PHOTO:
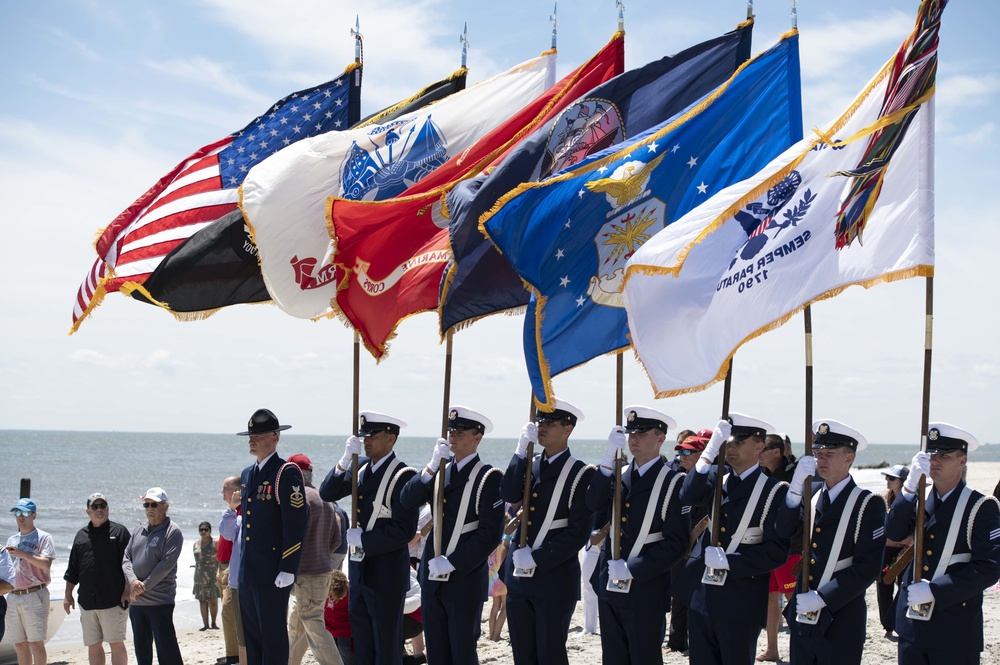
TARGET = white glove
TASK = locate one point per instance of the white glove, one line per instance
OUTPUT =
(354, 536)
(352, 447)
(919, 465)
(528, 433)
(805, 468)
(618, 570)
(439, 566)
(617, 440)
(722, 432)
(283, 580)
(715, 557)
(807, 602)
(523, 559)
(919, 593)
(441, 451)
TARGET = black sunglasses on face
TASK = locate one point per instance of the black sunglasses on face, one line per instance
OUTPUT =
(203, 530)
(99, 506)
(150, 504)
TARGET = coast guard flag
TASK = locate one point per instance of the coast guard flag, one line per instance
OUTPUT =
(284, 198)
(479, 281)
(393, 252)
(218, 267)
(569, 236)
(854, 206)
(203, 188)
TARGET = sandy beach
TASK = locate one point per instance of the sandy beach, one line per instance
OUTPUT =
(205, 647)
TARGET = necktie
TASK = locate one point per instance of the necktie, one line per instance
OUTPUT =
(448, 472)
(733, 483)
(824, 502)
(633, 476)
(544, 464)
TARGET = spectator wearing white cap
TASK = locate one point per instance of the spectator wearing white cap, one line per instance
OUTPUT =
(454, 583)
(961, 557)
(150, 566)
(633, 587)
(543, 577)
(31, 550)
(379, 568)
(846, 542)
(95, 565)
(724, 620)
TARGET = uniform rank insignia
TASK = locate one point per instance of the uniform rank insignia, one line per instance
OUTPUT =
(296, 498)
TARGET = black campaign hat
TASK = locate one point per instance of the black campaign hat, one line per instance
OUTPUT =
(263, 422)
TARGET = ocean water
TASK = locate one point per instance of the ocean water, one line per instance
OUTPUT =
(66, 467)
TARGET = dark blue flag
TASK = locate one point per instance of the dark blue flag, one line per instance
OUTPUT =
(479, 281)
(570, 236)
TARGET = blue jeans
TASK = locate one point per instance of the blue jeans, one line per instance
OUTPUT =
(154, 623)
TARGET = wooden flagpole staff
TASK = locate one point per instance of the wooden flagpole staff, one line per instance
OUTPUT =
(440, 481)
(923, 612)
(811, 618)
(620, 586)
(526, 497)
(712, 576)
(356, 552)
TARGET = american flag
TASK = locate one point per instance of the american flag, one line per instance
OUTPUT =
(205, 186)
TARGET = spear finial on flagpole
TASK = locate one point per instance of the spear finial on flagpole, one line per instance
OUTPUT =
(555, 23)
(795, 14)
(621, 15)
(463, 39)
(356, 33)
(749, 9)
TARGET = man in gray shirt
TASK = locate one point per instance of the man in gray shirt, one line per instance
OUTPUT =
(150, 567)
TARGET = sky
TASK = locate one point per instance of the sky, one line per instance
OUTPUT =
(101, 98)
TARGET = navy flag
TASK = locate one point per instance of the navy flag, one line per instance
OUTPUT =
(218, 266)
(570, 236)
(479, 281)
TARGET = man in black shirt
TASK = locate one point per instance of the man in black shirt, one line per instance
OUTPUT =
(95, 563)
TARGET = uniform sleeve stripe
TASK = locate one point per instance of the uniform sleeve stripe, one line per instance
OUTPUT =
(878, 533)
(994, 534)
(685, 510)
(291, 550)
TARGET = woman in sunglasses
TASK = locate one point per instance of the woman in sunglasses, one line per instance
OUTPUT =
(206, 566)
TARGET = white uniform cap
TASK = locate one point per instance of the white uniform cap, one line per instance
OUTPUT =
(835, 434)
(462, 417)
(744, 426)
(372, 422)
(563, 410)
(639, 418)
(944, 438)
(156, 494)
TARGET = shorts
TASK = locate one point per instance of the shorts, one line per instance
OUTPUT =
(237, 617)
(782, 578)
(28, 616)
(106, 625)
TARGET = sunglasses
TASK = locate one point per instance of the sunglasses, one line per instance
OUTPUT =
(22, 513)
(98, 506)
(685, 452)
(203, 530)
(150, 504)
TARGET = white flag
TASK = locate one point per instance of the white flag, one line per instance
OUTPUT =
(748, 259)
(284, 197)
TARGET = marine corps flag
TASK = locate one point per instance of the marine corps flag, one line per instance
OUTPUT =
(852, 206)
(284, 199)
(569, 236)
(391, 254)
(203, 188)
(479, 281)
(218, 266)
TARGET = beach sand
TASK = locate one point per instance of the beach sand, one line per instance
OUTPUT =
(205, 647)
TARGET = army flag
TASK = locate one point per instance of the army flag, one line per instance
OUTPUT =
(284, 199)
(852, 206)
(392, 253)
(204, 187)
(218, 267)
(479, 281)
(569, 236)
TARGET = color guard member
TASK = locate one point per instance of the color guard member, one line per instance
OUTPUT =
(633, 589)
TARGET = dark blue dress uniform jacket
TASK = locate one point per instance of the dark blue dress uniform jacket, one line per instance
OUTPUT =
(558, 568)
(743, 598)
(470, 579)
(956, 623)
(274, 522)
(840, 633)
(650, 568)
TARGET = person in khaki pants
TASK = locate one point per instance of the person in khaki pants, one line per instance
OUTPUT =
(225, 550)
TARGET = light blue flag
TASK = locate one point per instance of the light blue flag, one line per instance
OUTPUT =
(569, 237)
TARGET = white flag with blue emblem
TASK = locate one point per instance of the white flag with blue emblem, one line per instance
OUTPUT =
(852, 206)
(284, 197)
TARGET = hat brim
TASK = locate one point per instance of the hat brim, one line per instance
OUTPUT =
(279, 428)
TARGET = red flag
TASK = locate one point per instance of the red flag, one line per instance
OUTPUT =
(391, 254)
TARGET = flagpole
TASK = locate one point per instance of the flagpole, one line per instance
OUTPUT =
(811, 617)
(356, 553)
(555, 23)
(463, 39)
(358, 45)
(526, 496)
(795, 14)
(713, 576)
(439, 485)
(749, 9)
(616, 506)
(620, 4)
(923, 612)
